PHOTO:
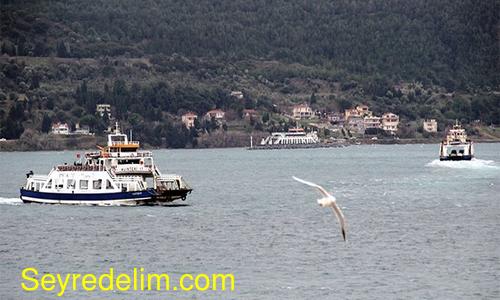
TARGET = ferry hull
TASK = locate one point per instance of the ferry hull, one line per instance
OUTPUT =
(456, 158)
(101, 199)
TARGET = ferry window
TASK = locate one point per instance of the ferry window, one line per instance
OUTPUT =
(49, 184)
(118, 138)
(124, 187)
(97, 184)
(84, 184)
(109, 186)
(71, 184)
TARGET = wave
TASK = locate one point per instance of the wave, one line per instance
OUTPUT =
(475, 163)
(11, 201)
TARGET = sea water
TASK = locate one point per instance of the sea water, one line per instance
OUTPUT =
(417, 228)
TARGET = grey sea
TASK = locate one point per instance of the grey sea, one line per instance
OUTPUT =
(417, 228)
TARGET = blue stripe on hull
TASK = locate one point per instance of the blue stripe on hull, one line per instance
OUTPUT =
(86, 197)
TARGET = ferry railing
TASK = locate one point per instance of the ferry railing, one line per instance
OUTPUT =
(77, 168)
(120, 143)
(130, 154)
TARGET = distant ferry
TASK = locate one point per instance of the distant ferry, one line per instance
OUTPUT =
(116, 174)
(294, 138)
(456, 146)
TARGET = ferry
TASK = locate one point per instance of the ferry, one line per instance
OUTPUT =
(293, 139)
(117, 174)
(456, 146)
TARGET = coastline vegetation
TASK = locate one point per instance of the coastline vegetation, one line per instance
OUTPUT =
(155, 60)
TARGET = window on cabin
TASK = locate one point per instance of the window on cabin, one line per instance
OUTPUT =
(71, 184)
(109, 185)
(97, 184)
(49, 184)
(118, 138)
(84, 184)
(60, 184)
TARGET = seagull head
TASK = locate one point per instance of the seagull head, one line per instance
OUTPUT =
(326, 202)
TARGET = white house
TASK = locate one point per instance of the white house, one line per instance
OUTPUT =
(302, 111)
(188, 119)
(372, 122)
(60, 128)
(390, 122)
(430, 125)
(217, 114)
(102, 109)
(85, 130)
(237, 94)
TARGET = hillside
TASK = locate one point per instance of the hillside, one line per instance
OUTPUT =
(154, 60)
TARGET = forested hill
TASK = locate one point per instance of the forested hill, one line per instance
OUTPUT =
(451, 43)
(153, 61)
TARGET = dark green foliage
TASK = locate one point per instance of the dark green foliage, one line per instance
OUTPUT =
(12, 126)
(450, 43)
(358, 51)
(46, 123)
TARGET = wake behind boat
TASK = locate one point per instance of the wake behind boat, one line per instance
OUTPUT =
(118, 174)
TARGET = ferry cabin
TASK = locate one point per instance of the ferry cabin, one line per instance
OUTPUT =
(123, 157)
(83, 184)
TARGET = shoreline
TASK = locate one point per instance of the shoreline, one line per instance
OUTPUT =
(90, 145)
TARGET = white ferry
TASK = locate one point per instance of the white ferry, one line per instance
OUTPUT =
(116, 174)
(456, 146)
(294, 138)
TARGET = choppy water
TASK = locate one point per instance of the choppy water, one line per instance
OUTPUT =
(417, 228)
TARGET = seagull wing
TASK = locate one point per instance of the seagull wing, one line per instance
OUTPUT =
(320, 188)
(340, 216)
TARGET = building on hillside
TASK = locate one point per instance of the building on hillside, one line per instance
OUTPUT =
(237, 94)
(60, 129)
(22, 98)
(358, 111)
(217, 114)
(372, 122)
(390, 122)
(351, 112)
(356, 124)
(364, 110)
(302, 111)
(188, 119)
(430, 125)
(335, 117)
(102, 109)
(250, 113)
(82, 130)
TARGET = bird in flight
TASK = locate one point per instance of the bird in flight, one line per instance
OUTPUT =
(327, 201)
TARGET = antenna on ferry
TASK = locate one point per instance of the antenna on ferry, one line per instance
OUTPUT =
(130, 134)
(117, 128)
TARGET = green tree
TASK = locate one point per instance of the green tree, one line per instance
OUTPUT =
(46, 123)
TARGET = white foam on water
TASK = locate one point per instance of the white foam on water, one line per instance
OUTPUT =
(11, 201)
(475, 163)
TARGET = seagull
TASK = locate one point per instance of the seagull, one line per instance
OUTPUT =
(327, 201)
